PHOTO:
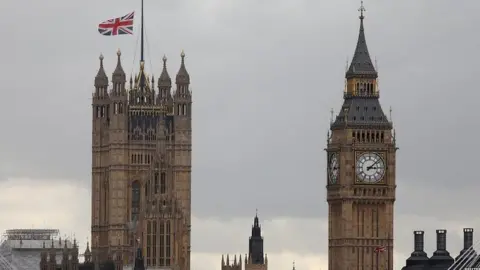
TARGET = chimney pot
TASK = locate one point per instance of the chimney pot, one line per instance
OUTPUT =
(467, 238)
(442, 239)
(418, 240)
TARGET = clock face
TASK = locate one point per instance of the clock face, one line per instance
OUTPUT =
(370, 168)
(333, 169)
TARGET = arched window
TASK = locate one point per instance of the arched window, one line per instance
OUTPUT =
(135, 199)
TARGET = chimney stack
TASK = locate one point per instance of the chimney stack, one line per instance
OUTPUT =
(467, 238)
(441, 240)
(418, 242)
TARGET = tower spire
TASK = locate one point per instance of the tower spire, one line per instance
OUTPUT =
(361, 64)
(361, 9)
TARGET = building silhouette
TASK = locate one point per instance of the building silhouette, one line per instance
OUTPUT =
(70, 260)
(141, 165)
(255, 259)
(441, 258)
(361, 151)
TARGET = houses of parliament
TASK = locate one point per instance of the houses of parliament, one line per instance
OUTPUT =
(141, 175)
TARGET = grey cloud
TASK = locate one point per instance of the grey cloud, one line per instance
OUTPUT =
(264, 79)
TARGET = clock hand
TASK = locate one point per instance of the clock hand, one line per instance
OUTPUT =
(371, 166)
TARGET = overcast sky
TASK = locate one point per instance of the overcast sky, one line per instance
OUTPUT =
(265, 74)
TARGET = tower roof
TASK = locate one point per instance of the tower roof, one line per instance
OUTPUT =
(361, 110)
(101, 78)
(182, 76)
(119, 69)
(361, 64)
(164, 79)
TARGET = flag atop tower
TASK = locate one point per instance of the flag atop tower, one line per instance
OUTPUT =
(138, 130)
(117, 26)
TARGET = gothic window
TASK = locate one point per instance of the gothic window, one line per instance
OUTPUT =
(163, 183)
(135, 199)
(162, 243)
(185, 109)
(167, 244)
(146, 188)
(120, 108)
(156, 182)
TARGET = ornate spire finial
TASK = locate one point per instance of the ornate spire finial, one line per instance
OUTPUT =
(361, 9)
(293, 265)
(256, 212)
(119, 52)
(164, 60)
(182, 54)
(101, 58)
(331, 115)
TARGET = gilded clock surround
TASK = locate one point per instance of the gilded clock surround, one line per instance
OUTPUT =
(381, 159)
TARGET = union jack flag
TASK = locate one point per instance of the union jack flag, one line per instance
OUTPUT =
(117, 26)
(380, 249)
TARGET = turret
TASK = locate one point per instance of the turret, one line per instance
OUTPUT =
(183, 97)
(165, 87)
(74, 259)
(255, 245)
(65, 257)
(118, 104)
(101, 82)
(441, 257)
(88, 254)
(119, 78)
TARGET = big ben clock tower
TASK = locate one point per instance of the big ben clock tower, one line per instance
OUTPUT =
(361, 172)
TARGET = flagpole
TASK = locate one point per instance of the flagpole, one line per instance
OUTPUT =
(141, 35)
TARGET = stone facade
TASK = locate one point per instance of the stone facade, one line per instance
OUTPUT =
(141, 166)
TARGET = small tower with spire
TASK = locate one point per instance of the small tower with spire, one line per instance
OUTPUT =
(183, 95)
(164, 88)
(74, 256)
(118, 102)
(87, 254)
(65, 256)
(256, 260)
